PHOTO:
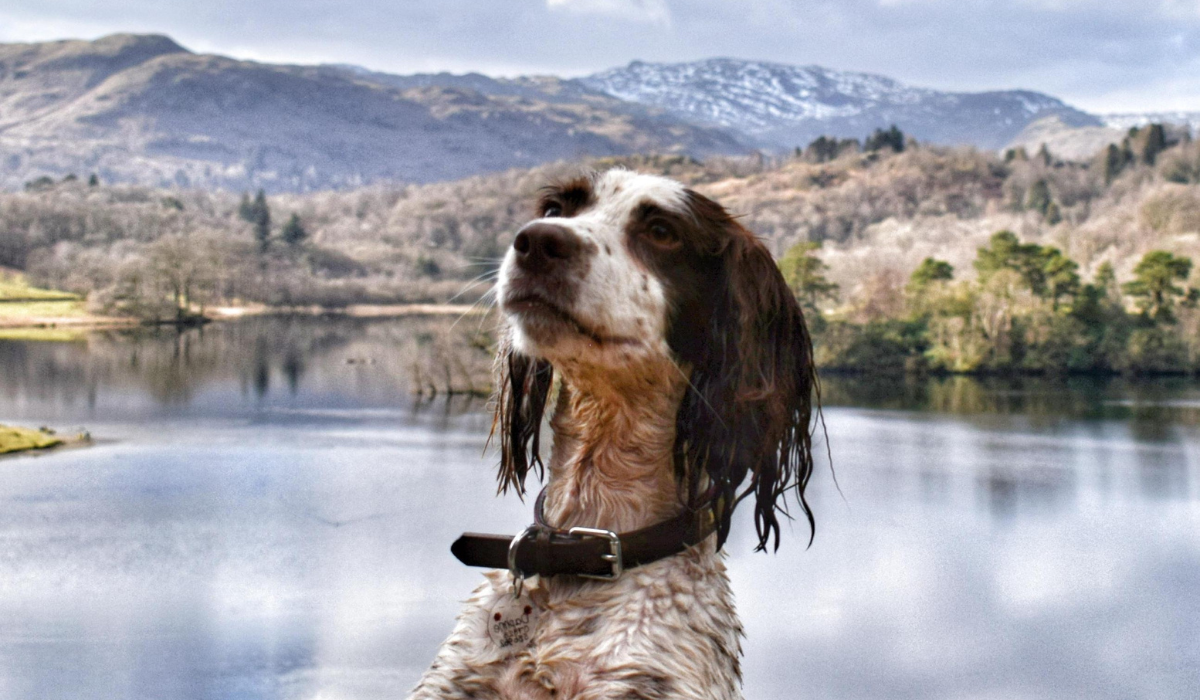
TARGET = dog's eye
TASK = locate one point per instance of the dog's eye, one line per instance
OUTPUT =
(551, 210)
(662, 236)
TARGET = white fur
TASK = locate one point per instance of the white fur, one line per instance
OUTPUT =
(664, 630)
(612, 298)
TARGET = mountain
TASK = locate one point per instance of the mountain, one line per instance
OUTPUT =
(1125, 121)
(1077, 143)
(783, 106)
(142, 108)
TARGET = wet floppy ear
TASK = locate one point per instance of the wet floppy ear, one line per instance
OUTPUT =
(749, 412)
(522, 388)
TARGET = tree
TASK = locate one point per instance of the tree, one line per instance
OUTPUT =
(804, 273)
(1045, 271)
(893, 138)
(246, 209)
(930, 270)
(1006, 252)
(1154, 142)
(1114, 161)
(93, 181)
(1016, 154)
(1044, 155)
(1061, 275)
(1053, 214)
(1154, 283)
(293, 231)
(261, 221)
(822, 150)
(1038, 197)
(185, 266)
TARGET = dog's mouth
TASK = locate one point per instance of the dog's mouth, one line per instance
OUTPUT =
(533, 308)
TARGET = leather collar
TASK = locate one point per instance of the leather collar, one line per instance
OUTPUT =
(546, 551)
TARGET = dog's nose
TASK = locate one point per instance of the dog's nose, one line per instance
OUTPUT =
(541, 247)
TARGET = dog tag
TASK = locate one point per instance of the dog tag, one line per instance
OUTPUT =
(511, 622)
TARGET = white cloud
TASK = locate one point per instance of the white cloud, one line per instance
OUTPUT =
(644, 11)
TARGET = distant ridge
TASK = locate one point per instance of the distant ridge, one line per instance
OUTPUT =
(142, 108)
(783, 106)
(1128, 120)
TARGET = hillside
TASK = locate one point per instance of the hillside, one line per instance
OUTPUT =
(784, 106)
(144, 109)
(878, 214)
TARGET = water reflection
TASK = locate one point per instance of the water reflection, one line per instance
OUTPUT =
(268, 511)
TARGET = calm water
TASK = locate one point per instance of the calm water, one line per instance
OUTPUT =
(267, 514)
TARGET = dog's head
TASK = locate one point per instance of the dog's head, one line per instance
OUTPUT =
(620, 269)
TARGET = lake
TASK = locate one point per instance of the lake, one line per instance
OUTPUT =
(267, 510)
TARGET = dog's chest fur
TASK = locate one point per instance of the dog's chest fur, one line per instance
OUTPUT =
(664, 630)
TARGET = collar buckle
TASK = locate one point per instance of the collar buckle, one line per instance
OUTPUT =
(614, 557)
(518, 576)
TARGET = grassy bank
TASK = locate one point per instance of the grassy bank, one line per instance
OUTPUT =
(33, 313)
(13, 439)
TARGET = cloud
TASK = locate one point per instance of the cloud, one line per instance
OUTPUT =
(1096, 54)
(646, 11)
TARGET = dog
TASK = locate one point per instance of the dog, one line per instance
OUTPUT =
(680, 371)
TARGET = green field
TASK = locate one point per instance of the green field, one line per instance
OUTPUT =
(20, 301)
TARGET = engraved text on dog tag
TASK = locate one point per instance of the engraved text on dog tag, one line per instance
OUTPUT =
(511, 622)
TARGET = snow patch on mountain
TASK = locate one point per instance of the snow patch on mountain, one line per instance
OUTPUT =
(782, 105)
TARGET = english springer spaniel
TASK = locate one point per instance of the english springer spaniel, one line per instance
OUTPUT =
(684, 385)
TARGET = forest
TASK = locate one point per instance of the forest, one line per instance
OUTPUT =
(908, 257)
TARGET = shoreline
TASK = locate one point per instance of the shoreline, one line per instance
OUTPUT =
(93, 322)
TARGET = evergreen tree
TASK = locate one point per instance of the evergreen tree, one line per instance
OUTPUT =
(93, 181)
(293, 231)
(262, 221)
(1038, 197)
(930, 270)
(804, 273)
(1154, 283)
(1061, 275)
(1154, 142)
(822, 150)
(1106, 279)
(893, 138)
(1113, 162)
(246, 209)
(1043, 155)
(1053, 214)
(1006, 252)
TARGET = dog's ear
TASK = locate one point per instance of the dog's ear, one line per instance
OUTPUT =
(749, 410)
(522, 388)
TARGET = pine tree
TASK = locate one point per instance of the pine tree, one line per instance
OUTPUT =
(1006, 252)
(1053, 214)
(1038, 197)
(93, 181)
(1155, 142)
(1061, 275)
(930, 270)
(893, 138)
(1043, 154)
(821, 150)
(1154, 283)
(1113, 163)
(262, 221)
(293, 232)
(246, 209)
(804, 273)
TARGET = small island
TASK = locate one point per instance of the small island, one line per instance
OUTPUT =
(15, 439)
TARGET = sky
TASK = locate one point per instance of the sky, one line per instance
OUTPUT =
(1099, 55)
